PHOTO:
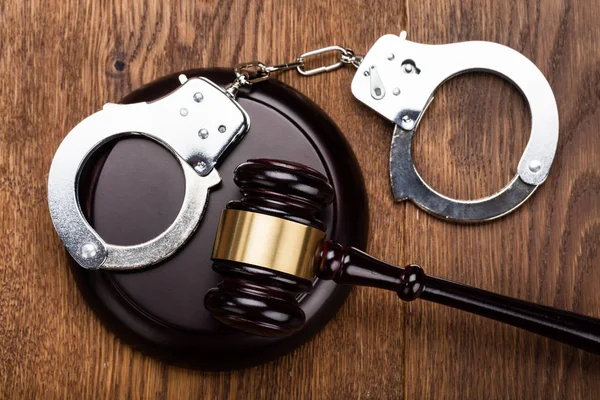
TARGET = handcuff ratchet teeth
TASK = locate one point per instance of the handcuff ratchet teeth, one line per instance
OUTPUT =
(197, 122)
(397, 79)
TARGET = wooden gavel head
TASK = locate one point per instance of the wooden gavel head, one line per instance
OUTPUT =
(267, 246)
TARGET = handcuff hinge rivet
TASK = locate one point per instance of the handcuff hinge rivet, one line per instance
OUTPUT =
(407, 123)
(535, 166)
(88, 250)
(200, 166)
(203, 133)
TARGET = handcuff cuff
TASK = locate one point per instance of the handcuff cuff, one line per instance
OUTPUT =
(199, 121)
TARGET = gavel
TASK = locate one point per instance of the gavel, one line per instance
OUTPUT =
(270, 245)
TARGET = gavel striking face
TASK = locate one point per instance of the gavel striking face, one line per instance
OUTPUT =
(271, 244)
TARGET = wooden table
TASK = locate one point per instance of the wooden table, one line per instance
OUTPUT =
(61, 60)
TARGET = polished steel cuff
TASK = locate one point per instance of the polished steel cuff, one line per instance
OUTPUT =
(398, 78)
(197, 122)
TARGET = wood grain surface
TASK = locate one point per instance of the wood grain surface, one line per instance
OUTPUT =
(62, 59)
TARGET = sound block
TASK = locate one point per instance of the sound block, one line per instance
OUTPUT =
(132, 189)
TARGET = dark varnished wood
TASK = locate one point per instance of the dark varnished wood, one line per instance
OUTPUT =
(160, 310)
(283, 189)
(258, 300)
(349, 266)
(346, 265)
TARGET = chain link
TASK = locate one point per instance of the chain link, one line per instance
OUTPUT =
(249, 73)
(351, 58)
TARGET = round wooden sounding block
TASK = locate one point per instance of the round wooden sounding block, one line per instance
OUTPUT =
(132, 189)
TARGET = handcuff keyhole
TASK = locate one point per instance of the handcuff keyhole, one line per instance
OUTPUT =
(409, 67)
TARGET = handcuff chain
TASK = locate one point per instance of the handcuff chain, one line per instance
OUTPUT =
(249, 73)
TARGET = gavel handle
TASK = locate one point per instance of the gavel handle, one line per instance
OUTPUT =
(347, 265)
(567, 327)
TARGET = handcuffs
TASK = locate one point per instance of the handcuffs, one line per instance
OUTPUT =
(199, 121)
(397, 78)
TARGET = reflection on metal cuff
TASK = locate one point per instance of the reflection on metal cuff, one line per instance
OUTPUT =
(408, 184)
